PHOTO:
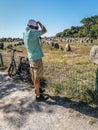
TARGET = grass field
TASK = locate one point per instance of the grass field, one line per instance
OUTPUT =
(68, 74)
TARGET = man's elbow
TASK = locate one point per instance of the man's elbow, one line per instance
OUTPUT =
(44, 31)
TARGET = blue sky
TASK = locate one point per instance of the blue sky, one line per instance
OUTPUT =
(55, 15)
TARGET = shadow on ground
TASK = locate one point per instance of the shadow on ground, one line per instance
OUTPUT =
(81, 107)
(16, 110)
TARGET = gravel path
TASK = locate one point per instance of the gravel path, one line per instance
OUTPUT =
(20, 111)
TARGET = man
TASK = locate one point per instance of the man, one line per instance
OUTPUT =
(35, 54)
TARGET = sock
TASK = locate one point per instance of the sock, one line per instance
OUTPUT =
(37, 96)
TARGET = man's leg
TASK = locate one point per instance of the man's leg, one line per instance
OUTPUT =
(36, 83)
(37, 72)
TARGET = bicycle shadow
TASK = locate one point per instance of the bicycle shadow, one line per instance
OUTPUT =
(10, 85)
(14, 95)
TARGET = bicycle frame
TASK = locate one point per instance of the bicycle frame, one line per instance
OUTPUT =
(13, 62)
(12, 70)
(23, 68)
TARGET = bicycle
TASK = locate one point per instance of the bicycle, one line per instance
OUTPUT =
(23, 68)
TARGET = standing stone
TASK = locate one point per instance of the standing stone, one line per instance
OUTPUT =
(56, 45)
(94, 54)
(67, 47)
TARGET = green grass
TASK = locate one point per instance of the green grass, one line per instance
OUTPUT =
(68, 74)
(75, 82)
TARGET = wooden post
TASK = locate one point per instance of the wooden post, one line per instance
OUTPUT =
(96, 86)
(1, 59)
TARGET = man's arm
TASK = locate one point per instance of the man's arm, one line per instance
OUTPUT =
(44, 30)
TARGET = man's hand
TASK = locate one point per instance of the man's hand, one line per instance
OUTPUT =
(38, 22)
(44, 30)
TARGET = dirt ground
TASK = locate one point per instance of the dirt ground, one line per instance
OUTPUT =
(20, 111)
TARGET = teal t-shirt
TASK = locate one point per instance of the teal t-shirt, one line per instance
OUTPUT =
(32, 44)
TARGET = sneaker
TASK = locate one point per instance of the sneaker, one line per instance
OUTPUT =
(42, 90)
(41, 98)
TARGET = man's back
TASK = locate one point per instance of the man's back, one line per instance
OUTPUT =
(31, 40)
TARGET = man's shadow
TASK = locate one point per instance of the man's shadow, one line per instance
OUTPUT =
(82, 107)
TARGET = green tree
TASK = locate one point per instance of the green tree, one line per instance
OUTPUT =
(94, 31)
(88, 29)
(94, 19)
(86, 22)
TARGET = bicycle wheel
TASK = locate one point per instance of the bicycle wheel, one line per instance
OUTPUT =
(11, 70)
(25, 73)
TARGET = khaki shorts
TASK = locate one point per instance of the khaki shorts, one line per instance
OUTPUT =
(37, 67)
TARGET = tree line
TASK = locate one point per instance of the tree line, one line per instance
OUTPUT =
(89, 28)
(9, 39)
